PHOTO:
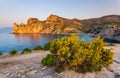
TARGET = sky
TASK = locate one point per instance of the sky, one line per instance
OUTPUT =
(20, 10)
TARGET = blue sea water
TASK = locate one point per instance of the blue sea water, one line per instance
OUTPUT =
(9, 42)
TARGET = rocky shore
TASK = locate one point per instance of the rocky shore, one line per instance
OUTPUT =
(29, 66)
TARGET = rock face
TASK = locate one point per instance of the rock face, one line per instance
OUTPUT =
(106, 26)
(33, 26)
(54, 24)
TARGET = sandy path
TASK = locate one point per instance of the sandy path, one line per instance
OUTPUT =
(21, 57)
(12, 67)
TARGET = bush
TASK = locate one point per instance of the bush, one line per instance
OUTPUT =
(79, 55)
(110, 44)
(26, 51)
(50, 60)
(47, 46)
(106, 57)
(13, 52)
(0, 53)
(38, 48)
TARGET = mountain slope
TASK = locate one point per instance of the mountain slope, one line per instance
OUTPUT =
(106, 26)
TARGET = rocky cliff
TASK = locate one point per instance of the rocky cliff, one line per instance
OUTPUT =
(54, 24)
(106, 26)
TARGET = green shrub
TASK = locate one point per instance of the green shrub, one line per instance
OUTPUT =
(38, 48)
(47, 46)
(110, 44)
(0, 53)
(106, 58)
(13, 52)
(26, 51)
(50, 60)
(73, 53)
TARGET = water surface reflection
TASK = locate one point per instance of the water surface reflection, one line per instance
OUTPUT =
(36, 38)
(9, 42)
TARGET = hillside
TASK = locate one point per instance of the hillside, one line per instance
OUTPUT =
(106, 26)
(29, 66)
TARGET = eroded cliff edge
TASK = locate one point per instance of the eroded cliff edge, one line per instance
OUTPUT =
(106, 26)
(54, 24)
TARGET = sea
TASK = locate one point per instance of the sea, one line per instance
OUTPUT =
(8, 42)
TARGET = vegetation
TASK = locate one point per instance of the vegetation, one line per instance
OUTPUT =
(0, 53)
(47, 46)
(110, 44)
(72, 53)
(49, 60)
(13, 52)
(26, 51)
(38, 48)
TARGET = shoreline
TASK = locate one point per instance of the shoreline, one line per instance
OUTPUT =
(49, 33)
(109, 40)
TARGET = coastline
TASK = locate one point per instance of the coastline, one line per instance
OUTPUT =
(48, 33)
(109, 40)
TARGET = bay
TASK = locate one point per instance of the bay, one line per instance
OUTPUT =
(9, 42)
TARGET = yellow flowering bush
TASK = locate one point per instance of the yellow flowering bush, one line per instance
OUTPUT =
(79, 55)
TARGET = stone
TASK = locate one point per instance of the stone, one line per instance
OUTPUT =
(48, 76)
(22, 71)
(3, 76)
(32, 72)
(117, 75)
(23, 76)
(8, 74)
(115, 68)
(44, 68)
(88, 75)
(106, 74)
